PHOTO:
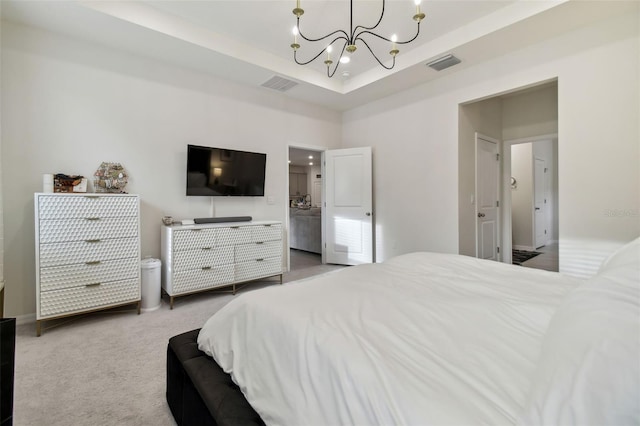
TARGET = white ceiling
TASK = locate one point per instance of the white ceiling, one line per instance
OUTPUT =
(300, 157)
(248, 41)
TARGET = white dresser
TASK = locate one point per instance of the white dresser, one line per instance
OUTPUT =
(205, 256)
(87, 253)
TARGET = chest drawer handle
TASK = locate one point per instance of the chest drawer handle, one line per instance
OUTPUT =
(197, 229)
(92, 218)
(92, 241)
(206, 268)
(206, 248)
(92, 197)
(234, 227)
(267, 225)
(259, 260)
(93, 262)
(259, 242)
(93, 285)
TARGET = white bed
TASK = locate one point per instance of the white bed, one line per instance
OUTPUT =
(437, 339)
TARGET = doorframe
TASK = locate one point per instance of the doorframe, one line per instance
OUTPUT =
(315, 148)
(498, 143)
(545, 212)
(506, 188)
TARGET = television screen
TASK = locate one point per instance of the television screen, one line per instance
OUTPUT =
(224, 172)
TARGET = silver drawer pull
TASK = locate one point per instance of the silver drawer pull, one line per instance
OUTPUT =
(197, 229)
(92, 197)
(206, 268)
(93, 285)
(259, 242)
(267, 225)
(92, 241)
(259, 260)
(206, 248)
(234, 227)
(93, 262)
(92, 218)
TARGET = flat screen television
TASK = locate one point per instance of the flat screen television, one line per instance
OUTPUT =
(225, 172)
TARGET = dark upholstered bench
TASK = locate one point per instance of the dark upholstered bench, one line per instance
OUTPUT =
(199, 392)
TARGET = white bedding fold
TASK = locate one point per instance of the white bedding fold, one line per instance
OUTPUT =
(420, 339)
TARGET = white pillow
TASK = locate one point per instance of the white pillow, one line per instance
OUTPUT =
(589, 368)
(628, 254)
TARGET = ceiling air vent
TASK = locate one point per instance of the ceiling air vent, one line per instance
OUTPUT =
(278, 83)
(444, 62)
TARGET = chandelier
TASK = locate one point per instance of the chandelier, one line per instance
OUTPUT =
(348, 39)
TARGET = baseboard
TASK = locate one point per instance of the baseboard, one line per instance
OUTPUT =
(525, 248)
(26, 319)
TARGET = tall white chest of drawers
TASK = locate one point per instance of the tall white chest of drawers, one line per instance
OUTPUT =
(205, 256)
(87, 253)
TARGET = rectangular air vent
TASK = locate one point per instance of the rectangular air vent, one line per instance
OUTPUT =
(444, 62)
(278, 83)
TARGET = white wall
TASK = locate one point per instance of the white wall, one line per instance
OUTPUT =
(416, 176)
(68, 105)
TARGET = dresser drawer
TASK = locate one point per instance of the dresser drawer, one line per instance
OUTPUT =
(258, 268)
(191, 239)
(83, 206)
(197, 259)
(58, 277)
(58, 254)
(53, 231)
(196, 279)
(79, 299)
(266, 233)
(233, 235)
(255, 251)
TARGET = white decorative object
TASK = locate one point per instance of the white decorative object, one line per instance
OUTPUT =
(47, 182)
(200, 257)
(110, 177)
(87, 253)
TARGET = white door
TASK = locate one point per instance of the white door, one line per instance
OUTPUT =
(539, 212)
(487, 198)
(348, 205)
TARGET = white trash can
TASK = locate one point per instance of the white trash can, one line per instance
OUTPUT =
(150, 284)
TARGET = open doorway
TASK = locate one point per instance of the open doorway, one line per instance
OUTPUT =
(304, 205)
(525, 115)
(532, 168)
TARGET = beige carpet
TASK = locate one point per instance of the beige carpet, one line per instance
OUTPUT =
(109, 368)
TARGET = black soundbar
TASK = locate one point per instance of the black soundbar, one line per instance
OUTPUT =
(222, 219)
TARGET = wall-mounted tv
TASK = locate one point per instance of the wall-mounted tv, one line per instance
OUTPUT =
(225, 172)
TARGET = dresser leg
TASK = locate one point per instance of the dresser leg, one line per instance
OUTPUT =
(280, 279)
(233, 291)
(139, 306)
(38, 328)
(170, 302)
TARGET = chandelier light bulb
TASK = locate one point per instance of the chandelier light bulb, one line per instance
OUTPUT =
(417, 2)
(345, 60)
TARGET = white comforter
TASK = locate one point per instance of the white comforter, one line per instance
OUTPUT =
(420, 339)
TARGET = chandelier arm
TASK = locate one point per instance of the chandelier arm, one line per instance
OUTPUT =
(346, 36)
(368, 28)
(359, 36)
(330, 74)
(376, 58)
(295, 56)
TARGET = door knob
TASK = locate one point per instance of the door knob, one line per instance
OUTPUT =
(537, 208)
(481, 214)
(368, 213)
